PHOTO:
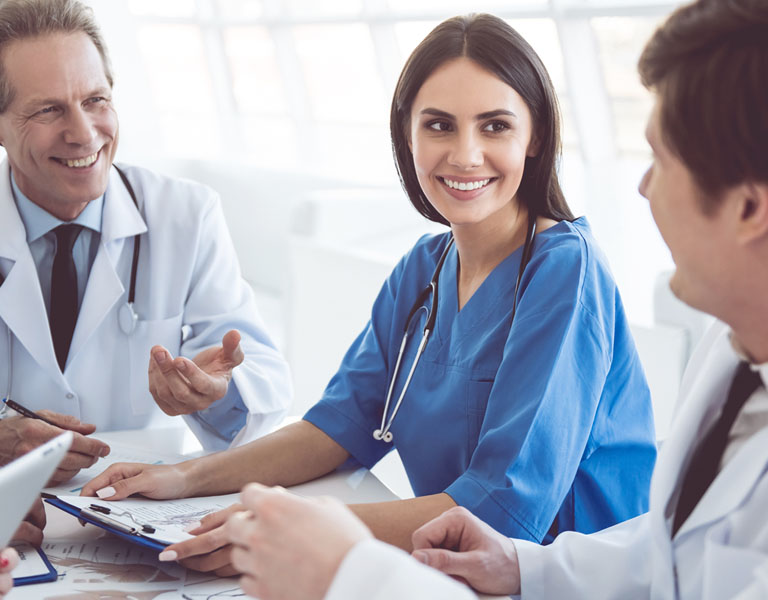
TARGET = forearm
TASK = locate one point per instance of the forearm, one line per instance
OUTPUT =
(394, 522)
(293, 454)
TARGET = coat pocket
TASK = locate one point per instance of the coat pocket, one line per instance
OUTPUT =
(162, 332)
(729, 570)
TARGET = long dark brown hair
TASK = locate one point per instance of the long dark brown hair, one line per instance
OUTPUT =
(494, 45)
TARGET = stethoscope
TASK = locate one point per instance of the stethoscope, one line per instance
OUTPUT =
(383, 433)
(126, 315)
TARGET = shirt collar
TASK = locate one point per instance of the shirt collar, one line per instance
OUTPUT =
(38, 221)
(762, 369)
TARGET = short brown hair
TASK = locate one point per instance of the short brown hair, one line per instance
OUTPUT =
(23, 19)
(494, 45)
(709, 64)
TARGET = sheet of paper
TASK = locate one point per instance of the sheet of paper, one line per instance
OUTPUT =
(31, 564)
(119, 453)
(169, 518)
(110, 568)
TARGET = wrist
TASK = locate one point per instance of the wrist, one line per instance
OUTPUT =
(191, 477)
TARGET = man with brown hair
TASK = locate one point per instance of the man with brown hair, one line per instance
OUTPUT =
(706, 534)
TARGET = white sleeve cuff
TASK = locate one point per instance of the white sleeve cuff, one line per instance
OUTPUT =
(377, 571)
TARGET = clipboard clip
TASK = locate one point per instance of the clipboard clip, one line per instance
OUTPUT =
(100, 513)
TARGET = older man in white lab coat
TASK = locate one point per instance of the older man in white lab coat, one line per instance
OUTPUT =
(706, 534)
(121, 295)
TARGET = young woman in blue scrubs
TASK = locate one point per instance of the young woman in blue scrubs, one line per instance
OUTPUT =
(537, 424)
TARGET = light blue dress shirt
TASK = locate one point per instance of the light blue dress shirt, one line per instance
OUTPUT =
(41, 239)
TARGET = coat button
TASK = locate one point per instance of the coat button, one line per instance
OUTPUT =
(70, 395)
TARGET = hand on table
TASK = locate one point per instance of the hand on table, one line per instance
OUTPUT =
(209, 550)
(461, 545)
(19, 435)
(181, 386)
(161, 482)
(287, 546)
(8, 561)
(31, 528)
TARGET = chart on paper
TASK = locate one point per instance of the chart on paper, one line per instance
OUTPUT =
(109, 568)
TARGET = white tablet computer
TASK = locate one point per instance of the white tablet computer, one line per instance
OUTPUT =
(22, 480)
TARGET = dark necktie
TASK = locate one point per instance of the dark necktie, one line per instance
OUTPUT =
(63, 315)
(706, 459)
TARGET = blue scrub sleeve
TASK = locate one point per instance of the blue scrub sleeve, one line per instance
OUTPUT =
(543, 401)
(353, 401)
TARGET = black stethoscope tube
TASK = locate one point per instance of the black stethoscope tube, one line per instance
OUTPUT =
(126, 315)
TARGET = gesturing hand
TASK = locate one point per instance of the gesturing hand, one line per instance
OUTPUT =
(181, 386)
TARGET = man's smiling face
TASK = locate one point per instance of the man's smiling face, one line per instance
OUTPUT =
(60, 129)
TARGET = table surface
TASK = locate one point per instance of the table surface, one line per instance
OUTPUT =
(85, 580)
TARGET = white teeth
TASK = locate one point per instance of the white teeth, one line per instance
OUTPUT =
(466, 185)
(82, 162)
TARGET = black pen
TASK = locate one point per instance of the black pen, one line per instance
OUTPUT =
(25, 412)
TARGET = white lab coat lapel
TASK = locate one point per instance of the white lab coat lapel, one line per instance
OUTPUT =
(734, 482)
(699, 407)
(120, 220)
(22, 308)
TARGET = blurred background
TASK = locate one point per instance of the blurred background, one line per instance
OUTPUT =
(282, 106)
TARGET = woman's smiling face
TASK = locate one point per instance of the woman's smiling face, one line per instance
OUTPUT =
(470, 134)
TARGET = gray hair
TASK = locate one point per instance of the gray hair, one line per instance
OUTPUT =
(23, 19)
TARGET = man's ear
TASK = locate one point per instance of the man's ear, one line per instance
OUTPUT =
(752, 206)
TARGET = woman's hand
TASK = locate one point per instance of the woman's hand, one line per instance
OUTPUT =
(121, 480)
(290, 547)
(461, 545)
(8, 561)
(210, 549)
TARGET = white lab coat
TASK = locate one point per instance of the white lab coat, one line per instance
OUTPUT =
(189, 292)
(720, 552)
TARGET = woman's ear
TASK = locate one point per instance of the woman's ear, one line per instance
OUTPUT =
(533, 146)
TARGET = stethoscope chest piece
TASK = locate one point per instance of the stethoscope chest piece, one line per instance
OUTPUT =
(127, 318)
(382, 437)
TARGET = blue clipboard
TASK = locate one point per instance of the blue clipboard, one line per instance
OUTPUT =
(44, 577)
(135, 538)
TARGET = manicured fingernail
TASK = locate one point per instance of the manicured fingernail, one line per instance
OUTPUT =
(167, 555)
(183, 366)
(4, 562)
(192, 526)
(104, 451)
(421, 557)
(160, 357)
(105, 492)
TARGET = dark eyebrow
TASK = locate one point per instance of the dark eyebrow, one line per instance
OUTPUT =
(500, 112)
(437, 113)
(481, 117)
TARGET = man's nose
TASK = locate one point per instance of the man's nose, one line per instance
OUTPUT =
(643, 185)
(80, 128)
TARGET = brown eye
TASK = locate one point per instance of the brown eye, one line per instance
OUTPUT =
(439, 126)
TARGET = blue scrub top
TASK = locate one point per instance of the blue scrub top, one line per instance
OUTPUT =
(537, 427)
